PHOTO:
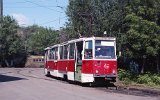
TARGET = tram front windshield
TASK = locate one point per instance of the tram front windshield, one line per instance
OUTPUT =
(104, 49)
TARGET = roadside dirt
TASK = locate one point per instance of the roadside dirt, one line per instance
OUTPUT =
(138, 87)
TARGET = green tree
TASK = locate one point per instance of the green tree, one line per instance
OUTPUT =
(135, 24)
(41, 39)
(79, 13)
(11, 44)
(93, 17)
(142, 31)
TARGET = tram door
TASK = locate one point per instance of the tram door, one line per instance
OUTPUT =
(46, 58)
(78, 60)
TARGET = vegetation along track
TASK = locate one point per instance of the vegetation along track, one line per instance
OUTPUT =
(106, 88)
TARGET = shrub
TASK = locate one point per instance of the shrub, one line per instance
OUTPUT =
(147, 78)
(123, 75)
(156, 79)
(144, 79)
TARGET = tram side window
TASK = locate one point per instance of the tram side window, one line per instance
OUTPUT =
(79, 52)
(61, 52)
(51, 54)
(65, 52)
(56, 53)
(88, 50)
(71, 51)
(46, 55)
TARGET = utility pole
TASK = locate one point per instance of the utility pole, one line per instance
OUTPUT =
(89, 18)
(1, 12)
(1, 8)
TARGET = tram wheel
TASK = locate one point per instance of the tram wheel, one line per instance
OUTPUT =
(65, 77)
(92, 84)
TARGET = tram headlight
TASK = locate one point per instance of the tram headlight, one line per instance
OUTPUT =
(97, 71)
(114, 72)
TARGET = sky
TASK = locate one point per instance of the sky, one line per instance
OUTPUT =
(46, 13)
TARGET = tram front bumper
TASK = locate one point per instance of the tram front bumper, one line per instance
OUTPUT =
(109, 77)
(105, 75)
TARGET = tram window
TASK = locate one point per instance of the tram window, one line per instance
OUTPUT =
(65, 52)
(71, 51)
(46, 55)
(56, 53)
(79, 52)
(51, 54)
(61, 52)
(79, 49)
(104, 49)
(88, 50)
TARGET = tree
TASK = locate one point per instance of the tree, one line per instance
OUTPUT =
(135, 24)
(142, 31)
(79, 15)
(41, 39)
(93, 17)
(11, 44)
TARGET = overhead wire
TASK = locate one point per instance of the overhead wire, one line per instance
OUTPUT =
(49, 9)
(52, 21)
(31, 7)
(42, 6)
(46, 7)
(15, 2)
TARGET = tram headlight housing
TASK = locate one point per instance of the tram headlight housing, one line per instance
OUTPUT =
(114, 72)
(97, 71)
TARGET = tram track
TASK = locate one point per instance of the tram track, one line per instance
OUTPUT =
(109, 88)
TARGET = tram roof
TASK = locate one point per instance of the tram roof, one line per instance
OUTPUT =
(54, 46)
(76, 40)
(105, 38)
(63, 43)
(82, 39)
(51, 47)
(47, 48)
(96, 38)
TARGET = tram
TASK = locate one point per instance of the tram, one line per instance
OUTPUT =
(85, 60)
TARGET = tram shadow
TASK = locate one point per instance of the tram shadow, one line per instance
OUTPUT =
(6, 78)
(106, 84)
(109, 87)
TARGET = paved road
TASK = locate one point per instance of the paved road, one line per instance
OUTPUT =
(31, 84)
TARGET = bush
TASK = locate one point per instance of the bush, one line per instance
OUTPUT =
(145, 79)
(148, 78)
(156, 79)
(123, 75)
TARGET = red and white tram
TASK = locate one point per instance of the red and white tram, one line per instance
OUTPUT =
(84, 60)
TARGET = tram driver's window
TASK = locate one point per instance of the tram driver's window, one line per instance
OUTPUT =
(88, 50)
